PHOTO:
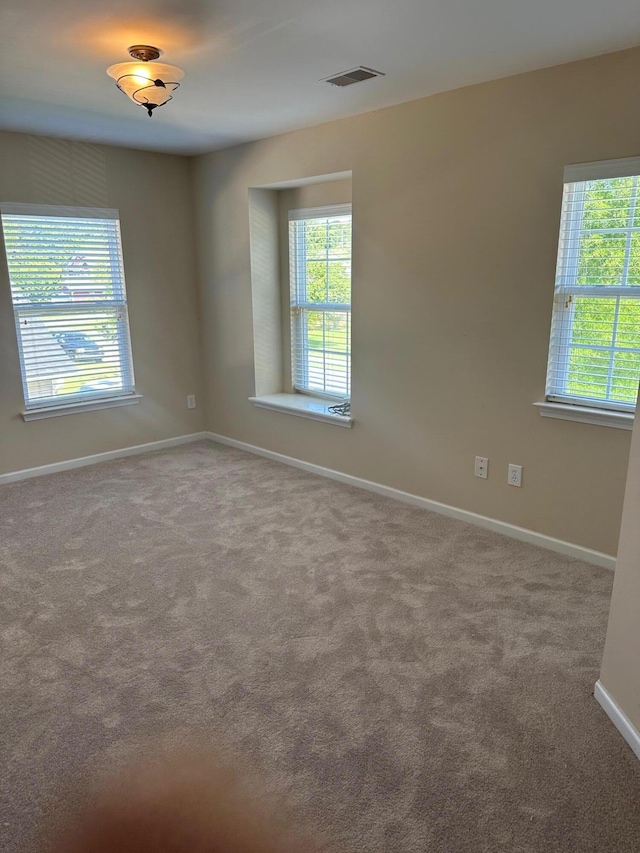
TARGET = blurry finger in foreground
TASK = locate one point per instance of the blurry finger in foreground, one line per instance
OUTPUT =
(179, 805)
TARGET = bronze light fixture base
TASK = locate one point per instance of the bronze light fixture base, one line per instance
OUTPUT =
(144, 52)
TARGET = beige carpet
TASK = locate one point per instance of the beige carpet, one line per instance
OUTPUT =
(411, 683)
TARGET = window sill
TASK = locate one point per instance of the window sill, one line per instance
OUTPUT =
(583, 414)
(73, 408)
(302, 406)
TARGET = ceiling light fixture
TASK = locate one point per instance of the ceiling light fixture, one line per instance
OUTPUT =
(148, 85)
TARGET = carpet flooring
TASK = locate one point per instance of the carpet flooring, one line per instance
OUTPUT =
(407, 681)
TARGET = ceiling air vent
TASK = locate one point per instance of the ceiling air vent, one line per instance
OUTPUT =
(356, 75)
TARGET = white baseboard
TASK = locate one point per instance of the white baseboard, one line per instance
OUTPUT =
(618, 718)
(569, 549)
(68, 464)
(521, 533)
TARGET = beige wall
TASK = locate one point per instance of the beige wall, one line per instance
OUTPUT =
(456, 207)
(265, 289)
(620, 673)
(152, 193)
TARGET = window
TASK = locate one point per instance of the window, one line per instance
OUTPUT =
(594, 356)
(320, 276)
(68, 292)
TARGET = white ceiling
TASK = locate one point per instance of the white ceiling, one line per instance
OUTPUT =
(253, 66)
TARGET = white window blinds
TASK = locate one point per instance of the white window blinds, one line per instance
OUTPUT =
(68, 292)
(320, 275)
(594, 355)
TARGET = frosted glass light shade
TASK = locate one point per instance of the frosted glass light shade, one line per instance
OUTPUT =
(149, 84)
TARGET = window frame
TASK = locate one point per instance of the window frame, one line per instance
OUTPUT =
(566, 289)
(51, 406)
(298, 307)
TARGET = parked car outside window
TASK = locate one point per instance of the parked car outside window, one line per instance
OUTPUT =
(79, 346)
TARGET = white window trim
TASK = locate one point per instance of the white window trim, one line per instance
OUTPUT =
(605, 413)
(300, 213)
(74, 408)
(303, 406)
(38, 412)
(586, 415)
(626, 167)
(59, 210)
(297, 215)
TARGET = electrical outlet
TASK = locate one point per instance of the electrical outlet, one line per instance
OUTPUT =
(482, 467)
(191, 401)
(515, 475)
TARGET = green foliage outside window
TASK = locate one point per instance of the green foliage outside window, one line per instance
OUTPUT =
(608, 256)
(41, 258)
(322, 253)
(328, 260)
(59, 263)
